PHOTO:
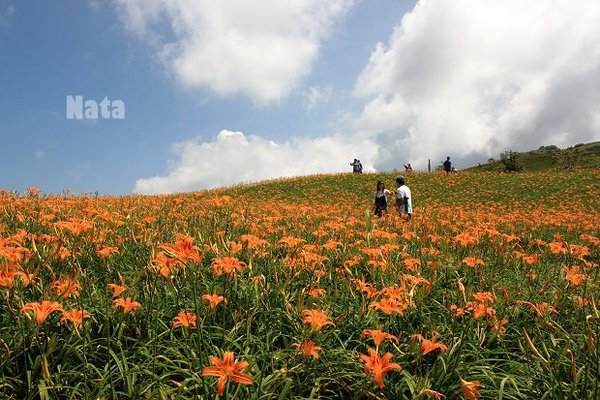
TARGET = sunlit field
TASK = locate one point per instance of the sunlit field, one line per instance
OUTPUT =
(290, 289)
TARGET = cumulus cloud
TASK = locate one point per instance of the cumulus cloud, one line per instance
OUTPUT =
(234, 157)
(237, 46)
(315, 97)
(466, 78)
(470, 77)
(6, 15)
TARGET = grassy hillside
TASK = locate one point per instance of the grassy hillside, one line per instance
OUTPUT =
(584, 155)
(291, 289)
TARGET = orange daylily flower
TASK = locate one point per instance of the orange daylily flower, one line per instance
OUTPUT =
(214, 300)
(226, 369)
(434, 395)
(469, 389)
(379, 366)
(428, 346)
(557, 248)
(226, 265)
(183, 249)
(308, 348)
(465, 239)
(316, 292)
(473, 262)
(187, 319)
(316, 319)
(117, 289)
(9, 273)
(390, 306)
(412, 264)
(127, 305)
(378, 336)
(533, 259)
(106, 251)
(66, 287)
(74, 315)
(540, 309)
(166, 265)
(573, 275)
(75, 226)
(290, 242)
(42, 310)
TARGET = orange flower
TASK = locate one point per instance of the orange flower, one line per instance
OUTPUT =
(225, 369)
(183, 249)
(557, 248)
(186, 319)
(390, 306)
(214, 300)
(469, 389)
(412, 264)
(530, 260)
(316, 292)
(316, 318)
(434, 395)
(290, 242)
(540, 309)
(308, 348)
(465, 239)
(427, 346)
(165, 265)
(42, 310)
(379, 366)
(378, 336)
(117, 289)
(252, 241)
(127, 305)
(573, 275)
(75, 226)
(74, 315)
(8, 275)
(473, 262)
(226, 265)
(364, 287)
(66, 287)
(106, 251)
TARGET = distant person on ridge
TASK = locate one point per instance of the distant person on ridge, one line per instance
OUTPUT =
(448, 165)
(356, 166)
(381, 195)
(403, 197)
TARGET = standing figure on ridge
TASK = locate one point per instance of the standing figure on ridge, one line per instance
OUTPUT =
(403, 197)
(356, 166)
(448, 165)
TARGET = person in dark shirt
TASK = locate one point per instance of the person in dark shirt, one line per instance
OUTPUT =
(448, 165)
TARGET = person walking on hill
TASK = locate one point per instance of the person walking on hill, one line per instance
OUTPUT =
(356, 166)
(448, 165)
(381, 195)
(403, 197)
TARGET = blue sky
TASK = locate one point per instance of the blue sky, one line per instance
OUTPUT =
(195, 120)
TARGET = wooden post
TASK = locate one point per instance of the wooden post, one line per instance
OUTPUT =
(429, 164)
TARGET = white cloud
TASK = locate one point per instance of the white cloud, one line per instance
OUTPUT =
(315, 97)
(95, 5)
(468, 77)
(465, 78)
(262, 50)
(234, 157)
(6, 15)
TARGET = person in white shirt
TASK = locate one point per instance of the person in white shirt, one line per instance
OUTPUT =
(381, 195)
(403, 197)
